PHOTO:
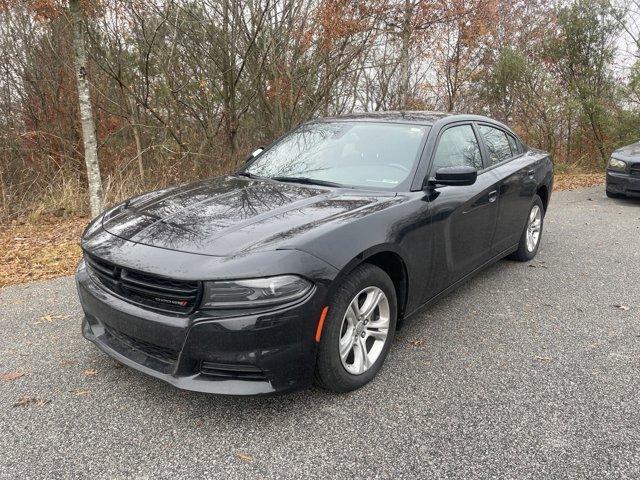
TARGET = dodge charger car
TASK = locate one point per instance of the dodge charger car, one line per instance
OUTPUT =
(623, 172)
(302, 265)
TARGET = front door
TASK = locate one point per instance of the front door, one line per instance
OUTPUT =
(463, 217)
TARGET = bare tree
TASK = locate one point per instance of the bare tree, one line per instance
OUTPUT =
(172, 90)
(86, 112)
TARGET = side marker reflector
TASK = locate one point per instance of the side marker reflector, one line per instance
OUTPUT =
(323, 316)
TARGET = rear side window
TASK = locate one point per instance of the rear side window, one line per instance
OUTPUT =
(497, 144)
(458, 146)
(513, 144)
(521, 146)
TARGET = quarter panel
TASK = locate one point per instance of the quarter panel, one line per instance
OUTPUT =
(516, 189)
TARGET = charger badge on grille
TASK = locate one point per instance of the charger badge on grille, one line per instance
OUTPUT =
(181, 303)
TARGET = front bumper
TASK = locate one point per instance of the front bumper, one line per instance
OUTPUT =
(622, 183)
(252, 354)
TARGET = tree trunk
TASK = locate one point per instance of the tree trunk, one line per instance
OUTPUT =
(569, 135)
(86, 114)
(598, 137)
(3, 191)
(134, 121)
(405, 61)
(229, 76)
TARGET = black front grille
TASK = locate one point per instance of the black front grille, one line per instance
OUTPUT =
(232, 371)
(164, 354)
(635, 170)
(156, 292)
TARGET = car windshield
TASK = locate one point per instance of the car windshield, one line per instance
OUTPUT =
(364, 154)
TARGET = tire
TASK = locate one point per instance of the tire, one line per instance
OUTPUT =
(345, 327)
(525, 253)
(614, 195)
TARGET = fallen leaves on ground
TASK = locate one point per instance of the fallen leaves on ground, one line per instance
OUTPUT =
(622, 307)
(51, 318)
(11, 376)
(81, 393)
(543, 359)
(538, 265)
(571, 181)
(90, 372)
(47, 249)
(245, 457)
(416, 342)
(25, 401)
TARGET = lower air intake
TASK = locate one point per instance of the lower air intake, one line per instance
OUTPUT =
(230, 371)
(164, 354)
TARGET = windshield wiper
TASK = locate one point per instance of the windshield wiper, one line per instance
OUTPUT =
(248, 175)
(307, 181)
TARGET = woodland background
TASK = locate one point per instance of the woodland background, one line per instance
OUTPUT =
(184, 89)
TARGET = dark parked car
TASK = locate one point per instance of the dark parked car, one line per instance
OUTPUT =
(303, 263)
(623, 172)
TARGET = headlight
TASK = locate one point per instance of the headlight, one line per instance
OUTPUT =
(256, 292)
(616, 164)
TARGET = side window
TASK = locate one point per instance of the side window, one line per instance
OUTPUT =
(458, 146)
(497, 144)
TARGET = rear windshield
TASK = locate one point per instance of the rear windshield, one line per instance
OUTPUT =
(365, 154)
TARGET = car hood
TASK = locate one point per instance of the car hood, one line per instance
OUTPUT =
(226, 216)
(628, 153)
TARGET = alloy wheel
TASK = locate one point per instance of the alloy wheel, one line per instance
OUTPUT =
(534, 228)
(364, 330)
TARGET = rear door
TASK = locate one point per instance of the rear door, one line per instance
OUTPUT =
(514, 174)
(463, 217)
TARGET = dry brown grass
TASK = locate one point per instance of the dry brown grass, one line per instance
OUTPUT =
(64, 192)
(46, 248)
(571, 181)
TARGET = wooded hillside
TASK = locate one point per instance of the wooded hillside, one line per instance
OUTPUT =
(183, 89)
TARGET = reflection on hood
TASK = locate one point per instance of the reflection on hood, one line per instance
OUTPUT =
(628, 153)
(228, 215)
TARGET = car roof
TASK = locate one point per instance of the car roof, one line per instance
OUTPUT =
(422, 117)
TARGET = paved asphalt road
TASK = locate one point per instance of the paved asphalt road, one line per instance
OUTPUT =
(527, 371)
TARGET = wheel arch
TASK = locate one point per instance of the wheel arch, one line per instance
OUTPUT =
(389, 259)
(543, 193)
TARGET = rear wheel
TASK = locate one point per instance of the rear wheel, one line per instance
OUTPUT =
(358, 330)
(532, 234)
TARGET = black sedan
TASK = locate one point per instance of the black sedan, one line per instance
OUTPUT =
(623, 172)
(302, 265)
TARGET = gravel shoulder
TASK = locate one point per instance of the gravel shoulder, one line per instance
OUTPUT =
(526, 371)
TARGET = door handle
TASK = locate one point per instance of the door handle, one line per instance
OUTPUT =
(493, 195)
(531, 173)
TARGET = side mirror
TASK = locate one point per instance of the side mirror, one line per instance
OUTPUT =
(454, 176)
(254, 154)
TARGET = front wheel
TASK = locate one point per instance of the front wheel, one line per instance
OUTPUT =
(358, 330)
(532, 234)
